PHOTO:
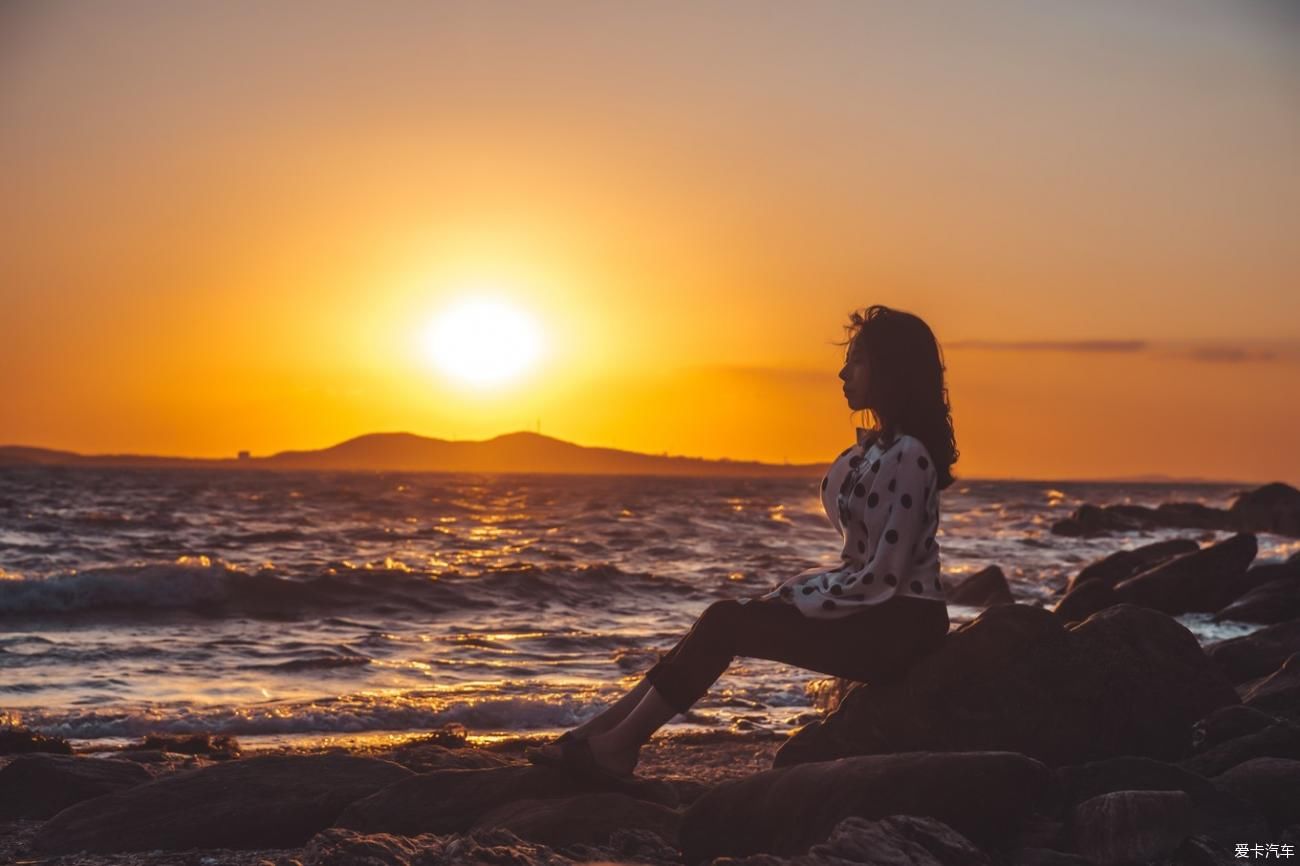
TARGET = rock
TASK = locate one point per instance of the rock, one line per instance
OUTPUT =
(269, 801)
(1218, 815)
(1257, 654)
(1132, 826)
(1048, 857)
(1125, 681)
(216, 746)
(1269, 602)
(451, 801)
(1281, 740)
(984, 588)
(1271, 784)
(899, 840)
(1092, 520)
(982, 795)
(1085, 600)
(1126, 563)
(1279, 692)
(16, 740)
(583, 819)
(1205, 580)
(336, 847)
(40, 785)
(1228, 723)
(425, 757)
(1272, 508)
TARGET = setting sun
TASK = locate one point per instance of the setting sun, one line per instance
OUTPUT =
(483, 341)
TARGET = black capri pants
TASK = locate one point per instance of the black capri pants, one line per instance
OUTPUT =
(878, 643)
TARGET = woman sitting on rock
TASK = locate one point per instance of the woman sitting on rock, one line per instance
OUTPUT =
(866, 619)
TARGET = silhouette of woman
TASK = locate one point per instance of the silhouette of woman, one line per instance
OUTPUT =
(868, 618)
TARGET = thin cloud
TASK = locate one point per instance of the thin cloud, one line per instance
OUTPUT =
(1053, 345)
(1228, 354)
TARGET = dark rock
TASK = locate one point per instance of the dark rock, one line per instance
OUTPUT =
(425, 757)
(1272, 508)
(1048, 857)
(1217, 814)
(1279, 692)
(1269, 602)
(1085, 600)
(38, 786)
(984, 588)
(1092, 520)
(1125, 681)
(1281, 740)
(337, 847)
(982, 795)
(1271, 784)
(584, 819)
(1257, 654)
(1205, 580)
(17, 740)
(1126, 563)
(269, 801)
(1132, 826)
(1228, 723)
(216, 746)
(1203, 851)
(451, 801)
(899, 840)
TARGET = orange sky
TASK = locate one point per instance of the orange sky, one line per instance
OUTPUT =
(229, 227)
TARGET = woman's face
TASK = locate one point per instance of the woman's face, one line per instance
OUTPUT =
(855, 373)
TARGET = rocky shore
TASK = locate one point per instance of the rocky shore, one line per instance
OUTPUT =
(1095, 732)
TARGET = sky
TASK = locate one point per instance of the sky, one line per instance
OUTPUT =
(233, 226)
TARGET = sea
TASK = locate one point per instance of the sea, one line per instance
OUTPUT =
(310, 608)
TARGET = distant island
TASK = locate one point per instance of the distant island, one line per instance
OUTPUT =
(521, 452)
(406, 452)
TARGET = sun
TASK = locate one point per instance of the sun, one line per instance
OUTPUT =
(483, 341)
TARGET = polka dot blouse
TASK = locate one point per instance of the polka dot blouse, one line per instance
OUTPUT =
(884, 502)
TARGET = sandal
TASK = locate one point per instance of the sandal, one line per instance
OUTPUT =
(536, 755)
(576, 755)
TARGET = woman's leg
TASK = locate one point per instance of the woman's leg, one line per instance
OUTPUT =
(614, 713)
(877, 642)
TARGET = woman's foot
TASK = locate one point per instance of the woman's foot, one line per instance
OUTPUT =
(611, 755)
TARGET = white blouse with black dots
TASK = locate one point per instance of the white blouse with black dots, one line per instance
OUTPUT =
(884, 502)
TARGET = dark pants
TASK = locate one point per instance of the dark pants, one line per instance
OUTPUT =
(877, 643)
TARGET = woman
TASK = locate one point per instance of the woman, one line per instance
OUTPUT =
(866, 619)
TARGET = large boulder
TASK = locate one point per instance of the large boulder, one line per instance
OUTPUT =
(585, 819)
(899, 840)
(1125, 681)
(1123, 564)
(985, 796)
(1279, 740)
(1271, 784)
(1132, 826)
(270, 801)
(1279, 692)
(40, 785)
(1272, 508)
(984, 588)
(1204, 580)
(1084, 600)
(451, 801)
(1271, 601)
(1257, 654)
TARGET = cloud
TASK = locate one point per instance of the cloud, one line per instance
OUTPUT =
(1228, 354)
(1052, 345)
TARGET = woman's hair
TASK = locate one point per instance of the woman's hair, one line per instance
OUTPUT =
(905, 384)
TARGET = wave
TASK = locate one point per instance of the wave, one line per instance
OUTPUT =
(212, 588)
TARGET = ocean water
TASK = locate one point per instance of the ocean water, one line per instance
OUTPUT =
(317, 607)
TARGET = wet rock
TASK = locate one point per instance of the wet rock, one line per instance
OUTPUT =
(1272, 508)
(451, 801)
(984, 588)
(1217, 814)
(1271, 784)
(1047, 857)
(1279, 692)
(219, 747)
(589, 819)
(1126, 563)
(1085, 600)
(1132, 826)
(1257, 654)
(426, 757)
(1205, 580)
(1280, 740)
(270, 801)
(16, 740)
(899, 840)
(1228, 723)
(1092, 520)
(1125, 681)
(39, 785)
(982, 795)
(1269, 602)
(337, 847)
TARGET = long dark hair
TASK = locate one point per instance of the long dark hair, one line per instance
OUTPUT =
(906, 385)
